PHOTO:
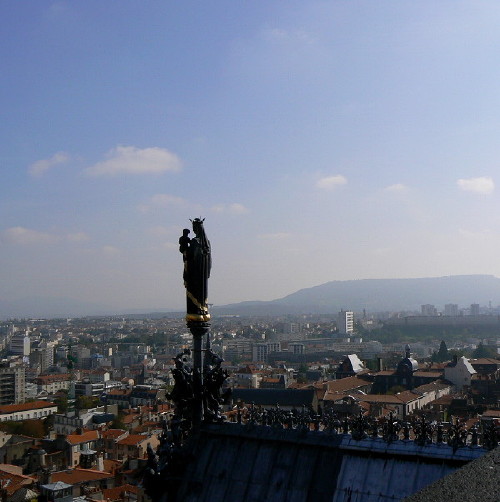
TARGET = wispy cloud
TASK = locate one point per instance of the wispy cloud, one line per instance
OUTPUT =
(161, 231)
(234, 208)
(162, 200)
(77, 237)
(132, 160)
(165, 200)
(475, 234)
(41, 166)
(331, 182)
(296, 36)
(482, 185)
(27, 236)
(396, 188)
(110, 251)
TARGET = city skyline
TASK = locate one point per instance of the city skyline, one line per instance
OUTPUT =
(321, 142)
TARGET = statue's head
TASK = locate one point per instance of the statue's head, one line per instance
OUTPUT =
(197, 224)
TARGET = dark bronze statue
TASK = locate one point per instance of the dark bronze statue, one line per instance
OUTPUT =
(197, 265)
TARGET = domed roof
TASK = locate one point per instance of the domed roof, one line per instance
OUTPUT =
(408, 364)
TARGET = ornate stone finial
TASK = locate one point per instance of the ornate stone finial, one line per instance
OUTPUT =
(359, 425)
(423, 431)
(391, 428)
(491, 435)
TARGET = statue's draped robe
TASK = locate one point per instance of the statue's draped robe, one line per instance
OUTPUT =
(198, 265)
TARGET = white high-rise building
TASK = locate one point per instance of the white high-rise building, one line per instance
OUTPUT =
(20, 344)
(474, 309)
(451, 309)
(429, 310)
(345, 322)
(260, 351)
(296, 348)
(12, 381)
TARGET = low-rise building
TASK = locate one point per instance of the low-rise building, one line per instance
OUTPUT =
(27, 411)
(247, 377)
(89, 419)
(145, 395)
(84, 481)
(109, 439)
(287, 399)
(79, 442)
(135, 445)
(87, 388)
(53, 382)
(459, 372)
(15, 486)
(14, 446)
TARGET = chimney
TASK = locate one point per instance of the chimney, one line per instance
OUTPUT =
(100, 462)
(380, 366)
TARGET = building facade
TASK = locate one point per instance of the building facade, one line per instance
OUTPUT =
(12, 381)
(345, 322)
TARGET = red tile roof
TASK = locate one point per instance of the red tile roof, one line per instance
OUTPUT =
(111, 465)
(12, 482)
(379, 398)
(484, 360)
(76, 476)
(56, 377)
(344, 384)
(118, 492)
(35, 405)
(85, 437)
(492, 413)
(407, 396)
(113, 433)
(119, 392)
(428, 374)
(133, 439)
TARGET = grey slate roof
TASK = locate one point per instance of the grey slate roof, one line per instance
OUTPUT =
(58, 485)
(232, 463)
(476, 481)
(271, 397)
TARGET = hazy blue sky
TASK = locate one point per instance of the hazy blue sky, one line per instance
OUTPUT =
(320, 140)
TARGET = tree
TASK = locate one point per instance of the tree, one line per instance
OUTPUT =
(442, 354)
(483, 351)
(118, 422)
(395, 389)
(32, 428)
(301, 373)
(86, 402)
(303, 368)
(62, 403)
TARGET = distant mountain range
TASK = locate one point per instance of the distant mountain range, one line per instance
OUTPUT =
(374, 295)
(377, 295)
(49, 307)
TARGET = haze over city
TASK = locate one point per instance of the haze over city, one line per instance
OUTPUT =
(321, 141)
